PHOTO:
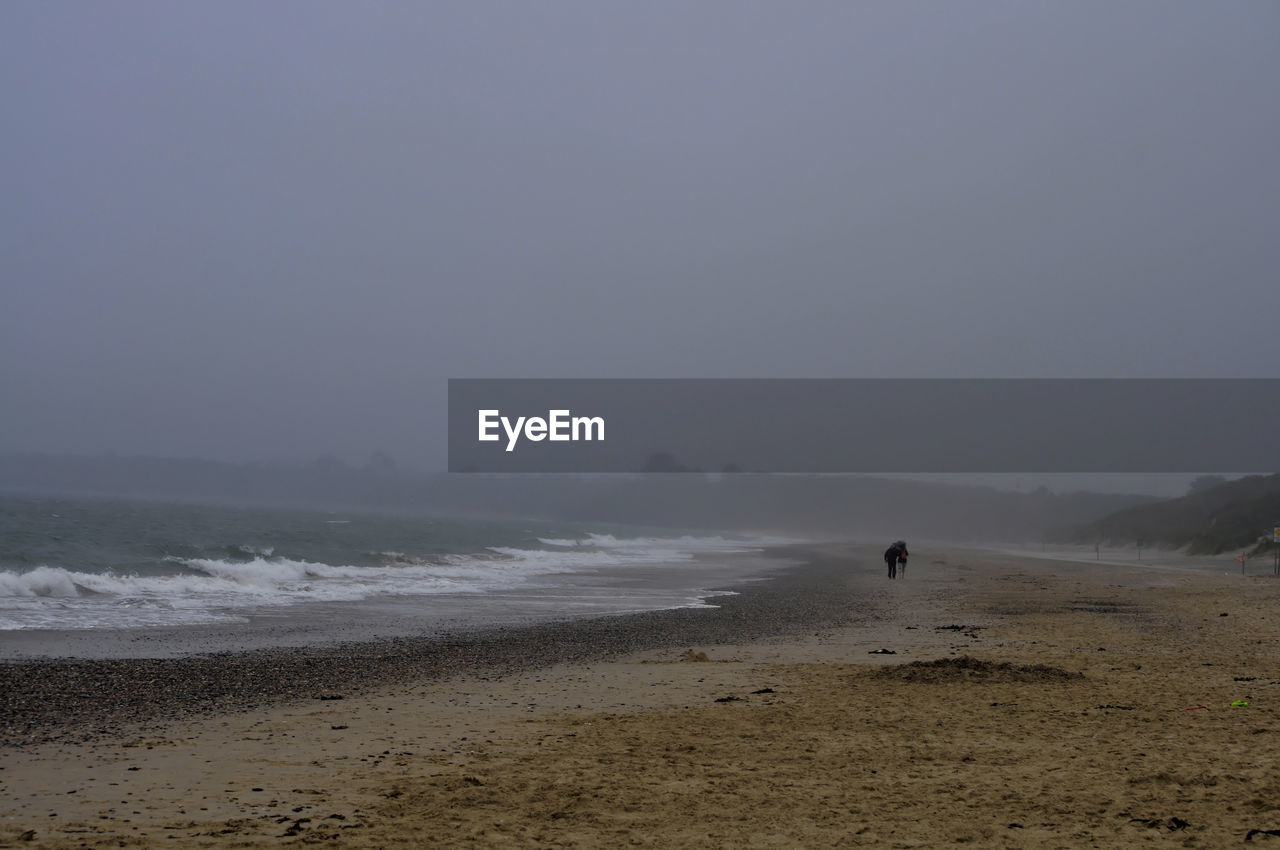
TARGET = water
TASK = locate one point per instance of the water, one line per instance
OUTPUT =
(105, 566)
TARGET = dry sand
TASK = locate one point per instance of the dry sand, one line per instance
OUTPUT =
(1066, 705)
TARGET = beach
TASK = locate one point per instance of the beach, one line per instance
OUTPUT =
(994, 699)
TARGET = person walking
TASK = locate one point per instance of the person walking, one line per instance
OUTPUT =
(895, 554)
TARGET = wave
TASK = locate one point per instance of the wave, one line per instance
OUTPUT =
(708, 543)
(217, 589)
(42, 581)
(244, 550)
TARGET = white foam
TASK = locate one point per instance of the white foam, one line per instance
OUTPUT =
(210, 590)
(247, 549)
(713, 543)
(42, 581)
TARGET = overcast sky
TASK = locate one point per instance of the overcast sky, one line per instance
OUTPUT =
(248, 230)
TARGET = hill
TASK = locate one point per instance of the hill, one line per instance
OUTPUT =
(1207, 522)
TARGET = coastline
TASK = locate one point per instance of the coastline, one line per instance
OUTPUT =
(683, 578)
(60, 698)
(1026, 703)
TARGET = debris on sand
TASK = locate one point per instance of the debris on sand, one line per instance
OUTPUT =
(1172, 824)
(1251, 833)
(965, 668)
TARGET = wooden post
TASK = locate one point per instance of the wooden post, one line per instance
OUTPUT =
(1275, 542)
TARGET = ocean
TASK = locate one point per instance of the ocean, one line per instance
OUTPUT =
(103, 577)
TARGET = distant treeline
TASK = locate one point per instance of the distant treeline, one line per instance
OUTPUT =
(1208, 520)
(841, 505)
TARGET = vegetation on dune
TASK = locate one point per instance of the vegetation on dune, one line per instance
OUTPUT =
(1214, 516)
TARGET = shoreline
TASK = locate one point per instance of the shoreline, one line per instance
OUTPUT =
(574, 593)
(46, 699)
(990, 699)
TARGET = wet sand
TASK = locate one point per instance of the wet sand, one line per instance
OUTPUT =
(1026, 703)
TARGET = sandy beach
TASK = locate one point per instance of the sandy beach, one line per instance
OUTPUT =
(1021, 702)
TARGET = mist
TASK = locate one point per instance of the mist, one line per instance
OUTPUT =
(270, 233)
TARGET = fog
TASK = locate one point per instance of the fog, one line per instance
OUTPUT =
(270, 232)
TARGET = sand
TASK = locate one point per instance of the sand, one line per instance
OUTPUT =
(1026, 703)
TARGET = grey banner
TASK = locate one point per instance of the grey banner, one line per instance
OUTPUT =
(864, 425)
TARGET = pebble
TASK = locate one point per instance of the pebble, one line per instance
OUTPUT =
(91, 699)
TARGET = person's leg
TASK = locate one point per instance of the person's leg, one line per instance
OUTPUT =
(892, 565)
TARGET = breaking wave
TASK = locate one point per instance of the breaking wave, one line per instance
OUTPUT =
(191, 590)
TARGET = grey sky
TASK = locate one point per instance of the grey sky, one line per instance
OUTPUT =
(251, 230)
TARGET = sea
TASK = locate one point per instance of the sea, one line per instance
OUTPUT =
(112, 578)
